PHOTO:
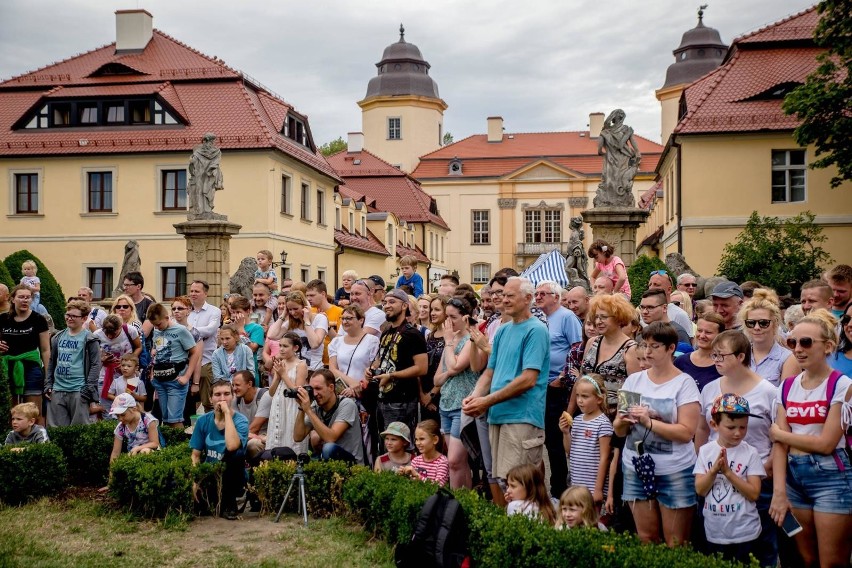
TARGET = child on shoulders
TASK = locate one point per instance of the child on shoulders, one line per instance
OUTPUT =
(24, 427)
(409, 276)
(33, 282)
(397, 438)
(430, 464)
(265, 273)
(577, 508)
(526, 494)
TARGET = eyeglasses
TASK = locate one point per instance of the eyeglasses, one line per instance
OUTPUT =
(497, 292)
(844, 321)
(349, 318)
(649, 308)
(72, 316)
(601, 317)
(805, 342)
(719, 357)
(128, 284)
(540, 294)
(658, 272)
(179, 309)
(690, 284)
(676, 303)
(762, 324)
(122, 307)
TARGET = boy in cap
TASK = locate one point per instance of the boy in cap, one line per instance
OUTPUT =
(728, 473)
(397, 438)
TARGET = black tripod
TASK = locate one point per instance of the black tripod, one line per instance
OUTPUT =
(300, 477)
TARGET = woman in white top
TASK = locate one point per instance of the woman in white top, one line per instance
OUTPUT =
(350, 353)
(761, 316)
(812, 473)
(664, 421)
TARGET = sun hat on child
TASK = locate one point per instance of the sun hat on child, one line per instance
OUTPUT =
(399, 430)
(121, 403)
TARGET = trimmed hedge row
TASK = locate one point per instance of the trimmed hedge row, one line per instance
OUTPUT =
(30, 471)
(390, 504)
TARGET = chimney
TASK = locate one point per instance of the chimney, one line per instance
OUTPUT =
(356, 142)
(495, 128)
(133, 30)
(596, 120)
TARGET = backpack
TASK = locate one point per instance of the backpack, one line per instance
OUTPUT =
(144, 355)
(440, 535)
(145, 422)
(830, 389)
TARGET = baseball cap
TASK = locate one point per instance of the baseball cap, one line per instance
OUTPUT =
(730, 403)
(377, 280)
(121, 403)
(727, 290)
(398, 429)
(398, 294)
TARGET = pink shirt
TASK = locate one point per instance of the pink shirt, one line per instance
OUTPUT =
(608, 270)
(437, 470)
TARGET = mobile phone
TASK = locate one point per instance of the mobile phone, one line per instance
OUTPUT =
(790, 525)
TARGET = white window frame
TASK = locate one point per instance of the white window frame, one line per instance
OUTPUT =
(474, 279)
(111, 266)
(160, 266)
(286, 199)
(13, 192)
(305, 195)
(788, 169)
(321, 207)
(395, 130)
(84, 183)
(480, 227)
(305, 273)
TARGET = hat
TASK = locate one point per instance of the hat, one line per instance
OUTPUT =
(398, 429)
(378, 280)
(727, 290)
(121, 403)
(398, 294)
(730, 403)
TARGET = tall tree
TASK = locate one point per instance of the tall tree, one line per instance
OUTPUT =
(779, 254)
(333, 147)
(448, 139)
(822, 103)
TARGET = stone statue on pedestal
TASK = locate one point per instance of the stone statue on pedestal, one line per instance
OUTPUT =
(243, 279)
(132, 263)
(205, 179)
(621, 161)
(577, 259)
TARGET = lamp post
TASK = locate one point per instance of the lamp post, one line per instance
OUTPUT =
(283, 255)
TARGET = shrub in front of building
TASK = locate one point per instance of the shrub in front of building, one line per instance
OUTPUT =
(31, 471)
(51, 292)
(638, 275)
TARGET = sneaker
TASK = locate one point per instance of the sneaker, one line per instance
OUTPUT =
(242, 500)
(230, 515)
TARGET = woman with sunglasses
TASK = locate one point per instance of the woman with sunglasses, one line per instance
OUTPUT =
(124, 308)
(761, 317)
(700, 364)
(351, 352)
(842, 358)
(812, 474)
(732, 354)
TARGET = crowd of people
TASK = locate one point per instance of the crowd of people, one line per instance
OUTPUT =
(709, 421)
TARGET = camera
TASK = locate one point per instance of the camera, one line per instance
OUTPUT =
(303, 459)
(379, 371)
(292, 393)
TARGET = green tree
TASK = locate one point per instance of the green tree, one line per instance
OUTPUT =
(51, 292)
(448, 139)
(333, 147)
(779, 254)
(638, 275)
(5, 277)
(822, 103)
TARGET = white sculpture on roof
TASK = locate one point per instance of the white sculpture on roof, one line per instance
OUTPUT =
(205, 179)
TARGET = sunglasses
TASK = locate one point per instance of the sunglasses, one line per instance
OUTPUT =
(658, 272)
(179, 309)
(805, 342)
(690, 284)
(676, 303)
(844, 321)
(122, 307)
(762, 324)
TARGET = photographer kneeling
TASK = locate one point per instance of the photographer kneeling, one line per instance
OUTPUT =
(334, 419)
(221, 436)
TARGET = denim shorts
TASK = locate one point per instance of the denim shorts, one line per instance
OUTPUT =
(674, 491)
(33, 380)
(451, 422)
(816, 482)
(172, 398)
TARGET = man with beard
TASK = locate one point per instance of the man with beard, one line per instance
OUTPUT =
(400, 363)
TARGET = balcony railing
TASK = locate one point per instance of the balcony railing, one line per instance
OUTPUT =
(534, 249)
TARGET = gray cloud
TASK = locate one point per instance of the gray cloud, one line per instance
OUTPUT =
(543, 65)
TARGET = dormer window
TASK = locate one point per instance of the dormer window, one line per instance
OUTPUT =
(455, 167)
(296, 129)
(92, 113)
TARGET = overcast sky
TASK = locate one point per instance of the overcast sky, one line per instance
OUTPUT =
(543, 65)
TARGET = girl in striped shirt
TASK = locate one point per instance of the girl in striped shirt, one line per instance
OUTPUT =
(430, 464)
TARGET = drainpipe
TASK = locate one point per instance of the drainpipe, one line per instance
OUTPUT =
(338, 250)
(679, 196)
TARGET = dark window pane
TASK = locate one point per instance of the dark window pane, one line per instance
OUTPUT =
(779, 157)
(797, 157)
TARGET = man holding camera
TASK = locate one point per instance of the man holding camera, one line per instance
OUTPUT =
(401, 361)
(335, 420)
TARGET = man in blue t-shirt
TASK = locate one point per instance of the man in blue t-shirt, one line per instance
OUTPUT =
(221, 436)
(512, 387)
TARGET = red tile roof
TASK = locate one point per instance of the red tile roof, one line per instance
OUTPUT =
(649, 195)
(402, 251)
(727, 99)
(574, 151)
(205, 93)
(368, 243)
(385, 187)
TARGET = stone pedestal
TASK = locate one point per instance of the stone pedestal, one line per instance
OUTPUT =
(208, 244)
(617, 226)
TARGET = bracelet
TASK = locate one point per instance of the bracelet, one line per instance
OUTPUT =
(196, 384)
(651, 425)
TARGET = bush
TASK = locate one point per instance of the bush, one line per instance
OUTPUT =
(51, 292)
(160, 484)
(5, 277)
(35, 470)
(638, 275)
(86, 448)
(323, 485)
(390, 505)
(5, 402)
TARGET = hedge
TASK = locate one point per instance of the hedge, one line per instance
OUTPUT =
(638, 275)
(160, 483)
(51, 292)
(5, 402)
(5, 277)
(390, 504)
(29, 471)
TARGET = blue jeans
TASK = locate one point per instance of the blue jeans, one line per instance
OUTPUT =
(172, 396)
(819, 482)
(332, 451)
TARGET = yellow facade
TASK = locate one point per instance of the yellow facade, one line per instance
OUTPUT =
(723, 179)
(70, 240)
(421, 122)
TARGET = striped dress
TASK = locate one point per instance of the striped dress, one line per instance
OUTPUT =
(586, 450)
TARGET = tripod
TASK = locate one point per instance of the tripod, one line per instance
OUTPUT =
(303, 505)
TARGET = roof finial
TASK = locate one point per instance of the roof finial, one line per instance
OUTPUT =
(701, 13)
(401, 33)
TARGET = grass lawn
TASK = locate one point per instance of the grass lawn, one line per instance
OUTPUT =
(82, 533)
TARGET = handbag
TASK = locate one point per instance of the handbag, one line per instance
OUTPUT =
(165, 372)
